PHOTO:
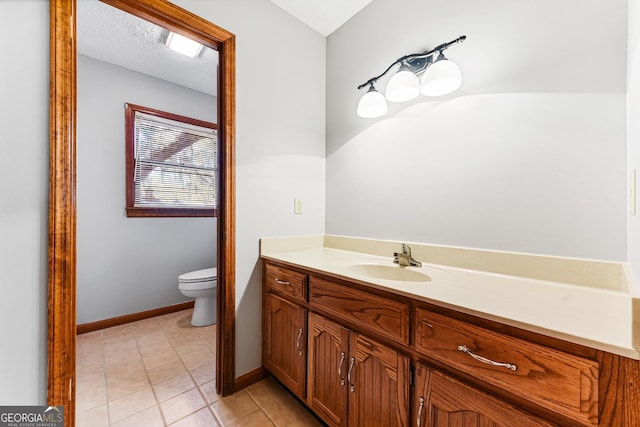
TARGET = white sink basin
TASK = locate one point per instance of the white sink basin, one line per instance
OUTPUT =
(385, 270)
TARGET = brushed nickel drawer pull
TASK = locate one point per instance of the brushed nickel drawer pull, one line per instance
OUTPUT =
(300, 332)
(419, 422)
(282, 282)
(465, 349)
(342, 357)
(351, 365)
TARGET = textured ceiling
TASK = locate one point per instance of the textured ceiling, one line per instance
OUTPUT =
(111, 35)
(324, 16)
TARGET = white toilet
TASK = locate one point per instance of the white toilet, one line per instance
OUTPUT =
(201, 285)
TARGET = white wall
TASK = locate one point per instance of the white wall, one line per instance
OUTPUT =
(280, 145)
(24, 108)
(633, 134)
(280, 154)
(127, 265)
(528, 156)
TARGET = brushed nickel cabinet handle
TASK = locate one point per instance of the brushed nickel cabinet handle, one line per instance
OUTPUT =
(465, 349)
(419, 422)
(282, 282)
(349, 378)
(342, 357)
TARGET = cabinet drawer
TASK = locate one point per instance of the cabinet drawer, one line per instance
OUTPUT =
(285, 282)
(553, 379)
(378, 314)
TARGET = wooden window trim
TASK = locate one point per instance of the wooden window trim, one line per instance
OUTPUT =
(144, 211)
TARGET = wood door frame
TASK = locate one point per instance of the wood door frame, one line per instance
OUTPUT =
(62, 189)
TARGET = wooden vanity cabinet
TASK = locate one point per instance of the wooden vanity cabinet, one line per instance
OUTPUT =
(444, 401)
(284, 351)
(284, 343)
(354, 380)
(353, 364)
(328, 363)
(552, 379)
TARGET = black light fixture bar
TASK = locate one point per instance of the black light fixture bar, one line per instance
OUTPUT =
(416, 60)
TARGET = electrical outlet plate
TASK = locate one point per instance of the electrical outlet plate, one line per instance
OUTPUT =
(297, 205)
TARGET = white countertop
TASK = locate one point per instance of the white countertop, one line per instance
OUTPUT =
(598, 318)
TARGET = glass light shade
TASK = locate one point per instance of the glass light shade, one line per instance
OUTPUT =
(372, 104)
(441, 78)
(403, 86)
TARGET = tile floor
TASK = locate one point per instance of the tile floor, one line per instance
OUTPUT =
(161, 372)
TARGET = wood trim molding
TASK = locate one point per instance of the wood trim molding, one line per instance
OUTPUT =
(62, 208)
(62, 189)
(251, 377)
(133, 317)
(226, 337)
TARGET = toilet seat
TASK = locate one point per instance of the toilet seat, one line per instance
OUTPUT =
(199, 279)
(199, 275)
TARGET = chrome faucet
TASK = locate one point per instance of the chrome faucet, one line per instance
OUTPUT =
(404, 258)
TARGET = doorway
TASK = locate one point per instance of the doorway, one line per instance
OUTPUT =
(62, 191)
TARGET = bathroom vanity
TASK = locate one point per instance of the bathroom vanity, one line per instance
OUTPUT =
(365, 342)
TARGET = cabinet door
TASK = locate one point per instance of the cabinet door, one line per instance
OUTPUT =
(285, 343)
(327, 369)
(378, 382)
(442, 401)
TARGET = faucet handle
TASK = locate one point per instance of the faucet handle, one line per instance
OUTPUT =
(406, 249)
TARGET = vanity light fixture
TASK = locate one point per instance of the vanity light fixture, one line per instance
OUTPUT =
(439, 77)
(183, 45)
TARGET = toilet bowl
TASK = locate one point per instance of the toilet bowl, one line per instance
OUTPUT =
(201, 285)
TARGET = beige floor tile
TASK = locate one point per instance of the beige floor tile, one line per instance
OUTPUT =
(145, 327)
(182, 337)
(166, 371)
(194, 345)
(96, 417)
(120, 353)
(173, 386)
(254, 419)
(86, 364)
(117, 390)
(148, 418)
(131, 404)
(154, 343)
(172, 320)
(288, 412)
(129, 367)
(182, 405)
(117, 333)
(197, 359)
(157, 359)
(135, 366)
(267, 391)
(204, 373)
(208, 390)
(90, 378)
(131, 372)
(279, 405)
(88, 397)
(89, 339)
(202, 418)
(233, 408)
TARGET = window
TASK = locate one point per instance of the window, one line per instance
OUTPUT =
(172, 164)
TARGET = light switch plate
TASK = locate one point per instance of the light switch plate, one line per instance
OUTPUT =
(297, 205)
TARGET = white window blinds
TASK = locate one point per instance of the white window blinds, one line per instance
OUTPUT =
(175, 163)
